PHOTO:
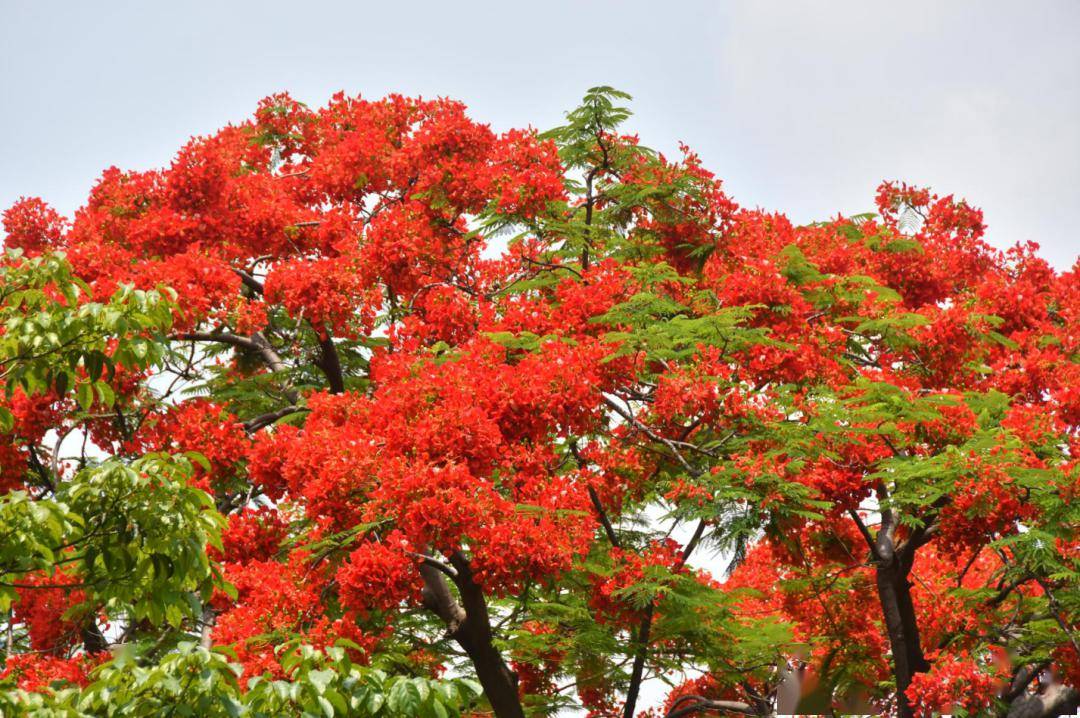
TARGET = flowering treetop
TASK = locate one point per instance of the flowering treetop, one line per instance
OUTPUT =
(348, 401)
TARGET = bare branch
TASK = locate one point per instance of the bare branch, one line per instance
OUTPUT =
(865, 532)
(435, 563)
(264, 420)
(249, 281)
(687, 705)
(669, 443)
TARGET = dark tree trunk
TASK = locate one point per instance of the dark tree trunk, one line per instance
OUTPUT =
(892, 566)
(638, 670)
(330, 364)
(469, 624)
(499, 682)
(474, 637)
(894, 593)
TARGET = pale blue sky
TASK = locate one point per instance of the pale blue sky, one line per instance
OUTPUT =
(799, 106)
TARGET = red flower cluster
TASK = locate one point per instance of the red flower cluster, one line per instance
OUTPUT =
(609, 598)
(39, 671)
(33, 226)
(45, 606)
(277, 600)
(329, 293)
(957, 684)
(205, 428)
(379, 575)
(253, 535)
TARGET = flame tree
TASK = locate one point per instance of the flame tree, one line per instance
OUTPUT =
(371, 410)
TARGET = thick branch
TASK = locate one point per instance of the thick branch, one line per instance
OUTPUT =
(699, 704)
(894, 595)
(330, 364)
(271, 357)
(39, 468)
(884, 545)
(209, 618)
(221, 337)
(1021, 680)
(440, 599)
(434, 563)
(468, 623)
(475, 637)
(263, 420)
(256, 343)
(638, 669)
(871, 544)
(92, 637)
(1054, 700)
(604, 520)
(693, 543)
(589, 199)
(249, 281)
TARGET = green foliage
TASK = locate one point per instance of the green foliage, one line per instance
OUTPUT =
(54, 339)
(666, 330)
(598, 114)
(196, 682)
(133, 536)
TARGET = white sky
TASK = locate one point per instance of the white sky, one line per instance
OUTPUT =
(800, 106)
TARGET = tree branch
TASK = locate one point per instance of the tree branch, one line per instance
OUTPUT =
(330, 364)
(693, 543)
(608, 528)
(92, 637)
(700, 704)
(1056, 613)
(435, 563)
(474, 635)
(438, 598)
(670, 444)
(638, 669)
(221, 337)
(264, 420)
(865, 533)
(257, 343)
(249, 281)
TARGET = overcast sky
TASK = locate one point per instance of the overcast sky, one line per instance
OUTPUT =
(799, 106)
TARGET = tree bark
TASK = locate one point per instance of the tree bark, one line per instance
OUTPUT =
(92, 637)
(474, 637)
(894, 594)
(206, 636)
(1056, 700)
(469, 624)
(638, 670)
(330, 364)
